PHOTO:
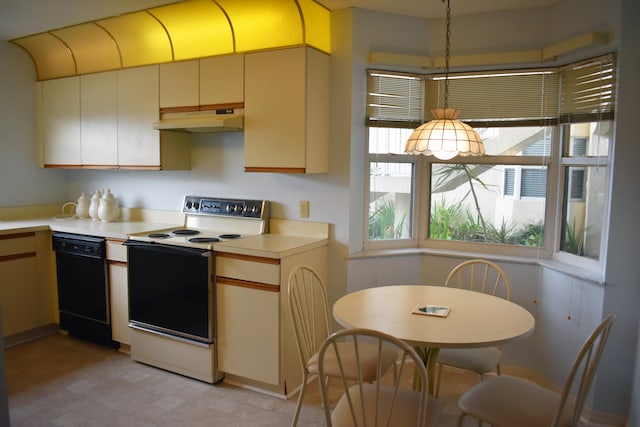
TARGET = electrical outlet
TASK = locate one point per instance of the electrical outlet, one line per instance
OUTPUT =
(304, 209)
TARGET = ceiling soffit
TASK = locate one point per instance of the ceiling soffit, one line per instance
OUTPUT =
(175, 32)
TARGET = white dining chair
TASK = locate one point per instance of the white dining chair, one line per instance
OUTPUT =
(506, 401)
(308, 305)
(390, 403)
(477, 275)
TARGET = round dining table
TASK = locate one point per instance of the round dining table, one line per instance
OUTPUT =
(474, 319)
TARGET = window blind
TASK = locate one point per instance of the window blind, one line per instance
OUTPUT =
(499, 97)
(588, 90)
(394, 100)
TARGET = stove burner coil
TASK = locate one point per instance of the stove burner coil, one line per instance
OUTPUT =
(229, 236)
(204, 239)
(185, 232)
(158, 235)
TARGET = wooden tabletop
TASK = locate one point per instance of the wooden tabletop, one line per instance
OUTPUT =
(475, 319)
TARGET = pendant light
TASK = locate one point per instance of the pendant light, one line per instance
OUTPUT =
(445, 137)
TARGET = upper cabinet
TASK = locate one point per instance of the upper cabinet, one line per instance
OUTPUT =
(287, 111)
(105, 120)
(139, 145)
(222, 81)
(205, 83)
(59, 122)
(99, 119)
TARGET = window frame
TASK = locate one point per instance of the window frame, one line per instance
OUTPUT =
(555, 163)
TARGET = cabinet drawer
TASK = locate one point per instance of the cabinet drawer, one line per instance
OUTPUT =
(116, 251)
(248, 268)
(17, 244)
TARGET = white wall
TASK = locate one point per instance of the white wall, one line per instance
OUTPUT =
(21, 181)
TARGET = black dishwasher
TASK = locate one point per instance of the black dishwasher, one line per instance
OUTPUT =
(83, 287)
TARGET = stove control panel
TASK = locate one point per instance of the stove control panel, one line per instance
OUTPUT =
(238, 208)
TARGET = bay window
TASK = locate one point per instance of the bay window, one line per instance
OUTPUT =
(541, 190)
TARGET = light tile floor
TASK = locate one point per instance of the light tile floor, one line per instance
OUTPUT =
(61, 381)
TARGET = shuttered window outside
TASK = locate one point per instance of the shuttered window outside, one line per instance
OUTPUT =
(579, 146)
(509, 182)
(533, 183)
(576, 184)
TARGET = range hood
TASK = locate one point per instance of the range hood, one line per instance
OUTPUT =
(214, 120)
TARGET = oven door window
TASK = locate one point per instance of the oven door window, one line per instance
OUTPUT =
(170, 290)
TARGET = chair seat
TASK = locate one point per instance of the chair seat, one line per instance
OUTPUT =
(368, 361)
(479, 360)
(405, 410)
(509, 401)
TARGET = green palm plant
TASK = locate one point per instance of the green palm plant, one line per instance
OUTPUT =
(382, 222)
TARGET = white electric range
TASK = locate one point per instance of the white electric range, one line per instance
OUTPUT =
(172, 308)
(209, 220)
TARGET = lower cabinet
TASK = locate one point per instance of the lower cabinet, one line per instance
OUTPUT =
(25, 290)
(118, 291)
(248, 330)
(255, 341)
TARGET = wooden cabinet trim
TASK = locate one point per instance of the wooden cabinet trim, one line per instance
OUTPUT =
(14, 257)
(17, 235)
(119, 263)
(247, 284)
(274, 170)
(263, 260)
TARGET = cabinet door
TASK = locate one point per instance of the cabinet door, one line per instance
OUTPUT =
(138, 109)
(287, 111)
(249, 331)
(118, 291)
(119, 298)
(222, 80)
(274, 134)
(59, 130)
(98, 118)
(179, 84)
(19, 284)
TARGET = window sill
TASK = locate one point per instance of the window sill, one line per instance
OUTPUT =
(572, 270)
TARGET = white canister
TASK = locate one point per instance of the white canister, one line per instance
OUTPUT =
(94, 205)
(108, 209)
(82, 206)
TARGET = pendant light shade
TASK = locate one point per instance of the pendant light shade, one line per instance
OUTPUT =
(445, 137)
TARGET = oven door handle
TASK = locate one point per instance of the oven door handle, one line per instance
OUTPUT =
(157, 247)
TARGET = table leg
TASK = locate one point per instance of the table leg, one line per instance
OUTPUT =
(429, 357)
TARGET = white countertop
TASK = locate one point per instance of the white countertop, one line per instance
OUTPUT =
(113, 230)
(264, 245)
(270, 245)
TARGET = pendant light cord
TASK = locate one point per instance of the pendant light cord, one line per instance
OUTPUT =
(447, 55)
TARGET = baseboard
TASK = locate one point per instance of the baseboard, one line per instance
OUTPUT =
(30, 335)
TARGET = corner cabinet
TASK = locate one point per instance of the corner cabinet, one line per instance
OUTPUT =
(287, 111)
(59, 122)
(26, 293)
